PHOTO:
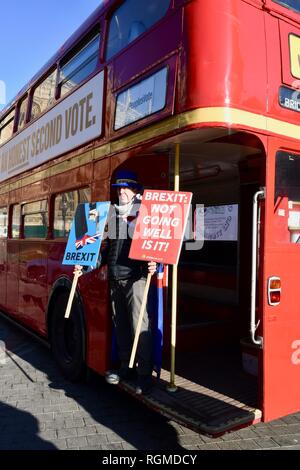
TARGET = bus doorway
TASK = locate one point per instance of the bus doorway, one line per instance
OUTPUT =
(217, 368)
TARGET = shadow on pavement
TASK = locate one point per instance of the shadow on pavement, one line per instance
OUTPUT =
(37, 399)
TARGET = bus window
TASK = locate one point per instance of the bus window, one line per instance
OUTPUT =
(130, 108)
(3, 222)
(35, 219)
(22, 113)
(130, 20)
(287, 197)
(43, 95)
(79, 66)
(7, 127)
(64, 210)
(292, 4)
(16, 221)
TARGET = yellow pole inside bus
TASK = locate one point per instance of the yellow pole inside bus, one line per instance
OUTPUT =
(172, 387)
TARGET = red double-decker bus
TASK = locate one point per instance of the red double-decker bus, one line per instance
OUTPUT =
(217, 81)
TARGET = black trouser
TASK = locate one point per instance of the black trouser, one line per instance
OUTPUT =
(126, 298)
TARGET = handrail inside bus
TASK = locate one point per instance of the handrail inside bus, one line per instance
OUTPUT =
(253, 325)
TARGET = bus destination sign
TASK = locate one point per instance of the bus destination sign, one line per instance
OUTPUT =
(289, 98)
(143, 99)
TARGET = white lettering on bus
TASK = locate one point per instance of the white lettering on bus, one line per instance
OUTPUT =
(74, 121)
(16, 156)
(292, 104)
(78, 115)
(47, 136)
(296, 354)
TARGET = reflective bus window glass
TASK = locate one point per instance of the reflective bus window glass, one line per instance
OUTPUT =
(7, 127)
(287, 180)
(44, 95)
(79, 67)
(292, 4)
(64, 210)
(16, 221)
(287, 198)
(132, 19)
(131, 108)
(3, 222)
(35, 219)
(22, 113)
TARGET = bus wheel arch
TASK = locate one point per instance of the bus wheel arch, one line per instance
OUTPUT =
(67, 337)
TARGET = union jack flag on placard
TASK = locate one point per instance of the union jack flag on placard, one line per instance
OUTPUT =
(86, 240)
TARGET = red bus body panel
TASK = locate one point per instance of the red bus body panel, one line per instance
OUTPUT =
(223, 65)
(281, 327)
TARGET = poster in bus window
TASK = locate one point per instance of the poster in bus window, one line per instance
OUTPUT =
(86, 234)
(220, 222)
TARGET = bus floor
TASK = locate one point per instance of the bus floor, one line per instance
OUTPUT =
(213, 395)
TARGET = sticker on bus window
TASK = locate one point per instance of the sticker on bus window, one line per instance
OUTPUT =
(86, 234)
(220, 222)
(141, 100)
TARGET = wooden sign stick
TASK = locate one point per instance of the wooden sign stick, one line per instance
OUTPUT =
(139, 324)
(72, 293)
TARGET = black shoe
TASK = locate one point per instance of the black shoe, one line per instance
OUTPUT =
(144, 385)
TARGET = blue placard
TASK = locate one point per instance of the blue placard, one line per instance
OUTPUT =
(86, 234)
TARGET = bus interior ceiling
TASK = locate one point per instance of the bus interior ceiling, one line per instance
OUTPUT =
(223, 170)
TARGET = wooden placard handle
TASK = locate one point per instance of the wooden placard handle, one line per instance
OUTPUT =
(139, 324)
(72, 293)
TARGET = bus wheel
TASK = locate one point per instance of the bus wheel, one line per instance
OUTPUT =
(68, 338)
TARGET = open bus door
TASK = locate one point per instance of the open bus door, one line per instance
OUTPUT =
(280, 283)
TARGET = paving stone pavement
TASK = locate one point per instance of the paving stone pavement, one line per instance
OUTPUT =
(40, 410)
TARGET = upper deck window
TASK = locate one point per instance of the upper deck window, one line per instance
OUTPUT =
(132, 19)
(22, 113)
(7, 127)
(43, 95)
(80, 65)
(293, 4)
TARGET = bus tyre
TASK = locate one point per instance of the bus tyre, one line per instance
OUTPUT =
(68, 338)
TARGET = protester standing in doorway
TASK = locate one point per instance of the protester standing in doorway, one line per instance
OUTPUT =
(127, 284)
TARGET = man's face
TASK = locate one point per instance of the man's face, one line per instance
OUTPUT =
(126, 195)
